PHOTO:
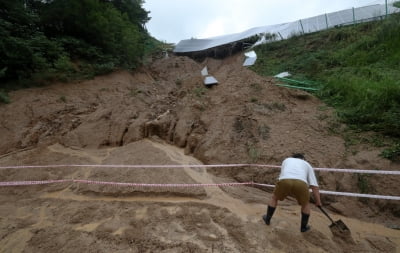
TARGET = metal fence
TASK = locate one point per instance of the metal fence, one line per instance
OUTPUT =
(287, 30)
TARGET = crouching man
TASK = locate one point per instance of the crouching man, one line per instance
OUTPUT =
(295, 179)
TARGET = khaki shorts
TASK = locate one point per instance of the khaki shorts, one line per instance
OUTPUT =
(294, 188)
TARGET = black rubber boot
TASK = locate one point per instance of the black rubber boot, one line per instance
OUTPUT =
(267, 217)
(304, 221)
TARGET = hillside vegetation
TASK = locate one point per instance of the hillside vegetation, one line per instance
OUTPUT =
(356, 69)
(59, 40)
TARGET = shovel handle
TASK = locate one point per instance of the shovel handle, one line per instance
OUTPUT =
(326, 214)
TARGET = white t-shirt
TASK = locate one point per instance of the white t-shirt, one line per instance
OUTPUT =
(294, 168)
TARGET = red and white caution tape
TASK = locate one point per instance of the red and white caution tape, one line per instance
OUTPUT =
(30, 183)
(385, 172)
(158, 185)
(43, 182)
(136, 166)
(21, 183)
(349, 194)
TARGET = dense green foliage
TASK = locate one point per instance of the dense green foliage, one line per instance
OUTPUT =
(67, 39)
(392, 153)
(357, 69)
(3, 95)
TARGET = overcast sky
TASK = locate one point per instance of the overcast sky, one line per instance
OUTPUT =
(175, 20)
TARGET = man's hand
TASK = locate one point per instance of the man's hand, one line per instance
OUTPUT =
(317, 197)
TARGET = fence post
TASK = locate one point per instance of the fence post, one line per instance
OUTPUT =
(301, 24)
(326, 21)
(354, 17)
(280, 35)
(386, 8)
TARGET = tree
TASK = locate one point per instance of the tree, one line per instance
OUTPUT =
(98, 23)
(23, 48)
(45, 36)
(133, 8)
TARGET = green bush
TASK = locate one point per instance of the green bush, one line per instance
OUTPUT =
(4, 98)
(101, 69)
(3, 72)
(392, 153)
(79, 49)
(363, 184)
(63, 64)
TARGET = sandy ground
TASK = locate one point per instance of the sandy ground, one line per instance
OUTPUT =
(163, 115)
(70, 218)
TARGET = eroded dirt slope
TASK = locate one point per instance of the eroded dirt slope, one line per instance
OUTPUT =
(133, 118)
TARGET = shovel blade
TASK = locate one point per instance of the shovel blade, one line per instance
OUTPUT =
(340, 230)
(340, 225)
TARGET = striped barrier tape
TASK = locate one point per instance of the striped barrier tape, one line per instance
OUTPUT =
(137, 166)
(43, 182)
(29, 183)
(24, 183)
(349, 194)
(157, 185)
(386, 172)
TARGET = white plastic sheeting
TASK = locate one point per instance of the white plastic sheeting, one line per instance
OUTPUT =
(283, 74)
(251, 58)
(204, 71)
(284, 31)
(210, 80)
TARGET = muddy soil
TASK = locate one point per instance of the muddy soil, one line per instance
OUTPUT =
(162, 114)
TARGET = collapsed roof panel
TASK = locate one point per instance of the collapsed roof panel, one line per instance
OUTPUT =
(194, 45)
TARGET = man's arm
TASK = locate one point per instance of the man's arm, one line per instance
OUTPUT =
(315, 190)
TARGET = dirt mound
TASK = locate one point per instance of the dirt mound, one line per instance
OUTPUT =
(134, 118)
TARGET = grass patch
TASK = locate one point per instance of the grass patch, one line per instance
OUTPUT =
(253, 100)
(238, 125)
(134, 92)
(4, 98)
(63, 99)
(357, 69)
(392, 153)
(363, 184)
(178, 82)
(256, 87)
(254, 153)
(199, 91)
(264, 131)
(277, 106)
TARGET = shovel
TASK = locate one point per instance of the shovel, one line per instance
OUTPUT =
(338, 228)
